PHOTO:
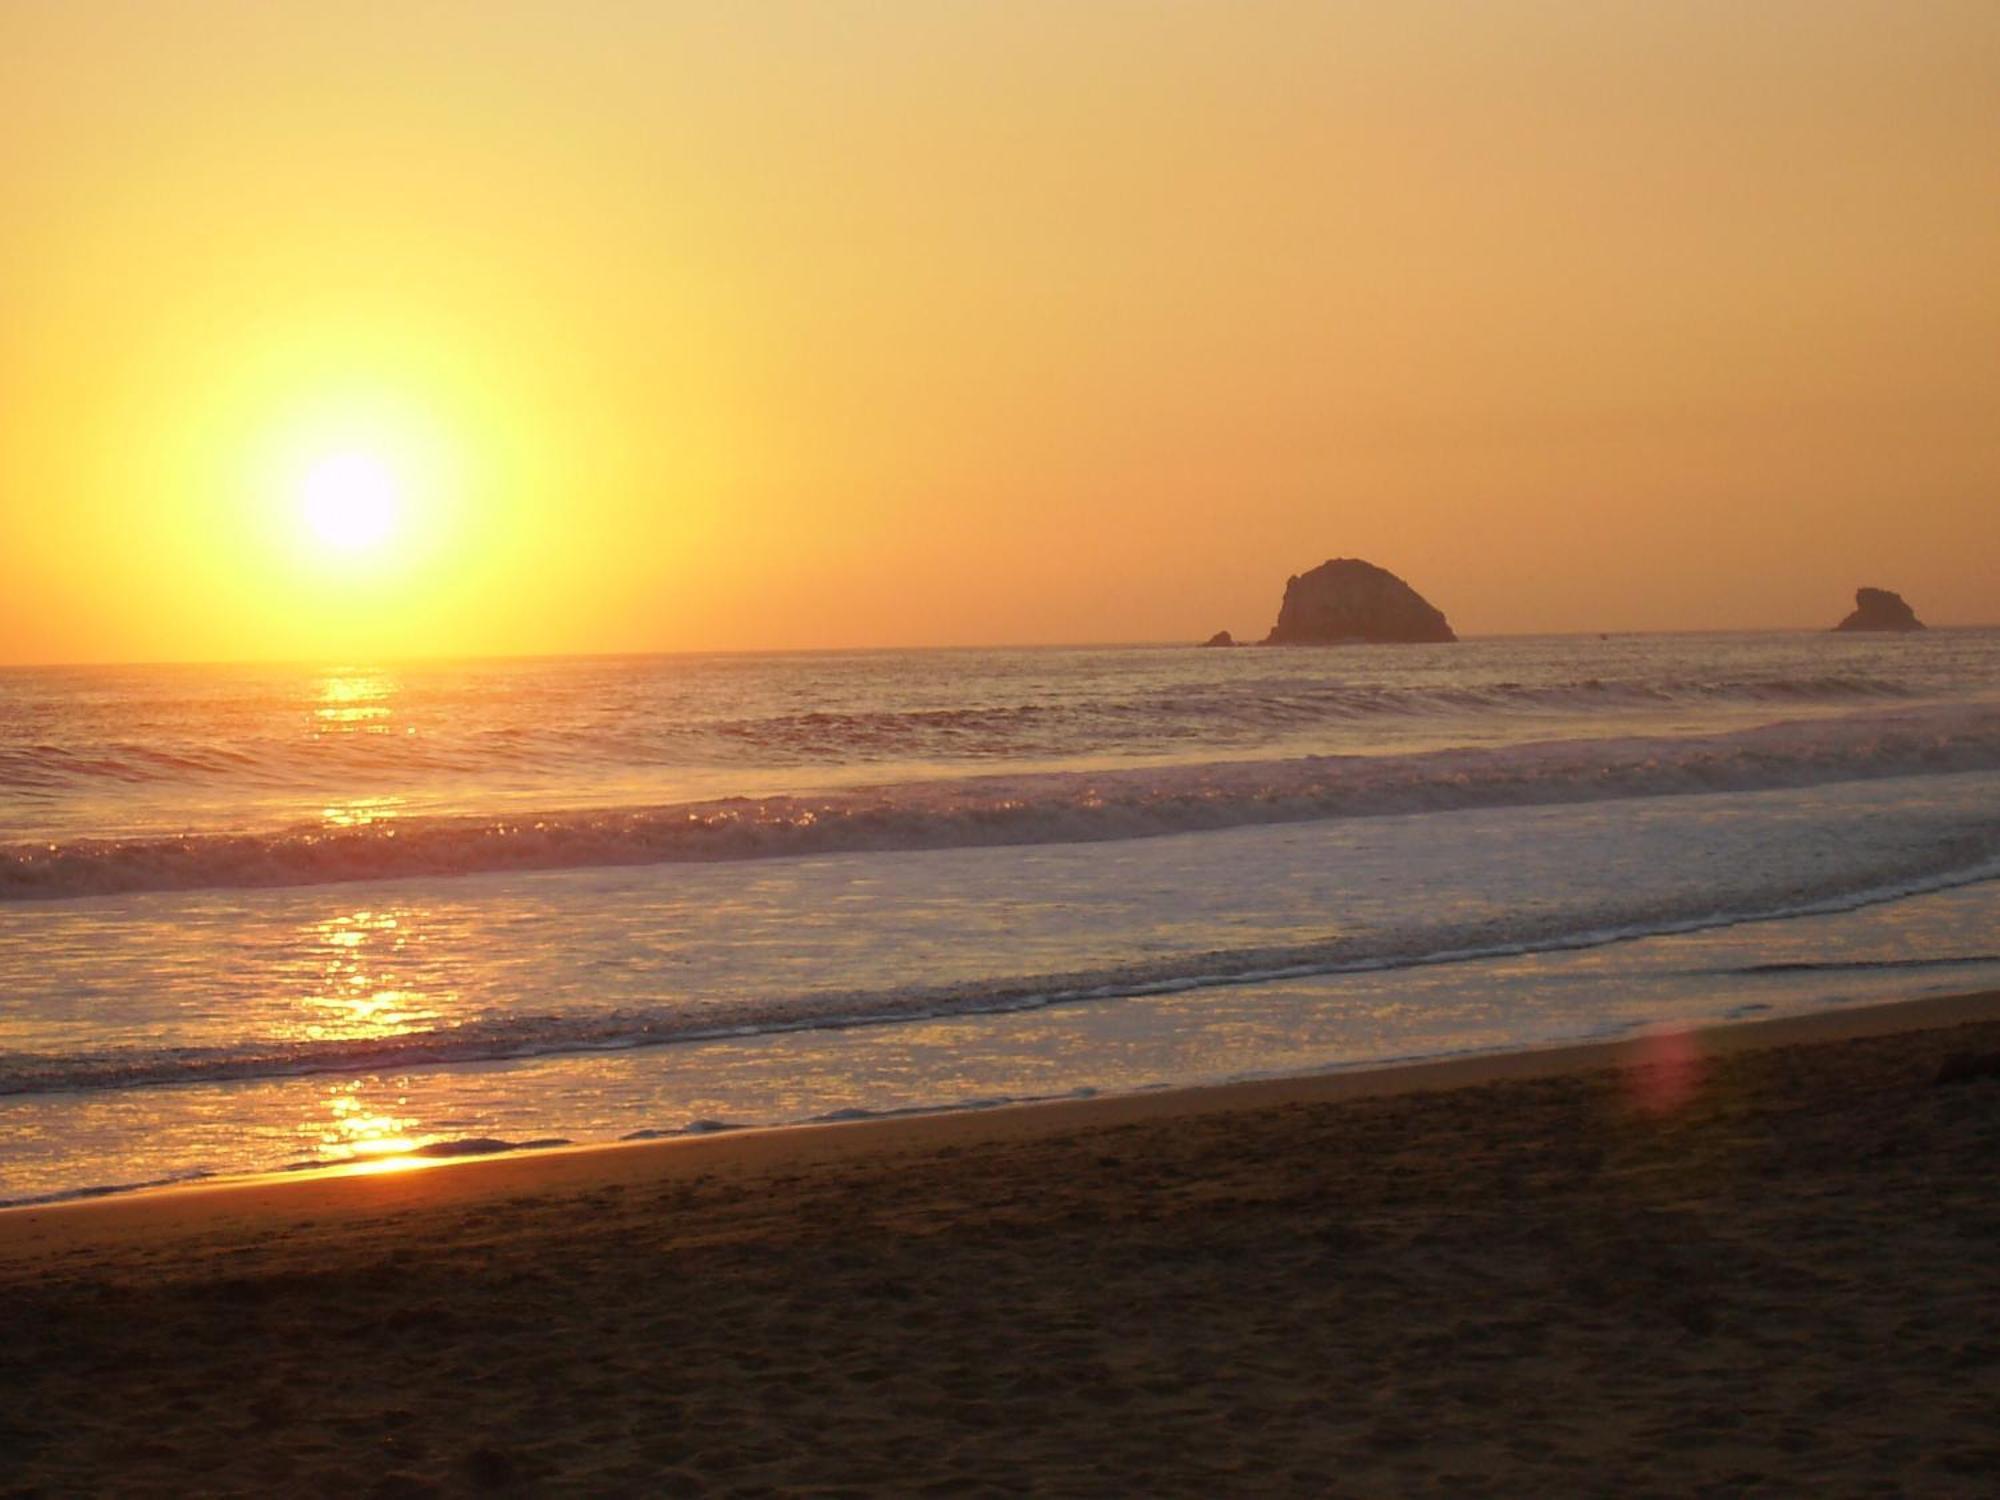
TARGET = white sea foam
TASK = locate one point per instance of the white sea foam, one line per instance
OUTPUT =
(1857, 866)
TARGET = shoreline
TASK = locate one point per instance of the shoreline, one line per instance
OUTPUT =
(1751, 1259)
(343, 1190)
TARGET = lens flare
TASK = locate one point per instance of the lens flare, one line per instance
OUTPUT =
(1665, 1070)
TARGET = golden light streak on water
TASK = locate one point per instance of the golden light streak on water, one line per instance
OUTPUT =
(355, 700)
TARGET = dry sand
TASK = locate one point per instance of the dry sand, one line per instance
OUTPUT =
(1762, 1260)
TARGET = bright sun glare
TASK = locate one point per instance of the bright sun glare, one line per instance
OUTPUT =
(350, 501)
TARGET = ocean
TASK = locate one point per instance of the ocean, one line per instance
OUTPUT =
(256, 918)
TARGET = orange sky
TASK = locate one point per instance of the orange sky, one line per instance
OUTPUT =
(720, 326)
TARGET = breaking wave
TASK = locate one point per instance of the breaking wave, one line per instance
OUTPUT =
(1026, 808)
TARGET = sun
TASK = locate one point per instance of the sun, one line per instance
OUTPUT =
(351, 501)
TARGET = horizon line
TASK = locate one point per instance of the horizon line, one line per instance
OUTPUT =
(321, 663)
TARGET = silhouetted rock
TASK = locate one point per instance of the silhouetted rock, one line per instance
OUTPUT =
(1351, 600)
(1880, 609)
(1220, 638)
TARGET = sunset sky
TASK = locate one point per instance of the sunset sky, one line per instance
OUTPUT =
(424, 329)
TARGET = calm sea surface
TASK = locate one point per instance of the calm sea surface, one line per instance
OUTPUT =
(258, 917)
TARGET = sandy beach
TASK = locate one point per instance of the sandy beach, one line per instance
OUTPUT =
(1756, 1259)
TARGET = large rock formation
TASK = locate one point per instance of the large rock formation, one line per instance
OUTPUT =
(1880, 609)
(1351, 600)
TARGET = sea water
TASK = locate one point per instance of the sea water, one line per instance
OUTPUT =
(258, 917)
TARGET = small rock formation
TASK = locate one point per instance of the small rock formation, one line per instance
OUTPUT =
(1220, 638)
(1880, 609)
(1351, 600)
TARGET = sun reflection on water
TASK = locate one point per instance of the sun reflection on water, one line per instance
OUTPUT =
(358, 988)
(360, 812)
(355, 701)
(359, 1129)
(376, 1165)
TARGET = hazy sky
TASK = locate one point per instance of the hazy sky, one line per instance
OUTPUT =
(749, 325)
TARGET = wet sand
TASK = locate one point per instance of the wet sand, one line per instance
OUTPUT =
(1760, 1259)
